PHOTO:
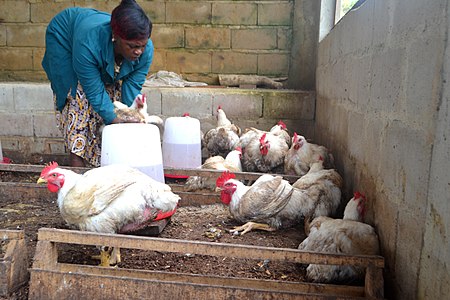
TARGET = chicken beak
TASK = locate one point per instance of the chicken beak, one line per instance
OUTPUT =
(41, 180)
(218, 189)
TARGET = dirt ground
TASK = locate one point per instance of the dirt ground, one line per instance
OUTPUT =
(203, 223)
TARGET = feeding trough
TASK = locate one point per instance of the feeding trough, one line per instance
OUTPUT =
(133, 144)
(181, 144)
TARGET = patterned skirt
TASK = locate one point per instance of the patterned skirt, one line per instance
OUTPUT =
(80, 124)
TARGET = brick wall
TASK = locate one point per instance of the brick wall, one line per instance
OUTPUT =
(199, 39)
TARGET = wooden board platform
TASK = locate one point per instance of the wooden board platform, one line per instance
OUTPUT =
(53, 280)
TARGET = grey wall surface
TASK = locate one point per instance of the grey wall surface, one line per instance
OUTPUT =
(382, 106)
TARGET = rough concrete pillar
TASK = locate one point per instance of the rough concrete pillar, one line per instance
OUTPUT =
(327, 16)
(305, 37)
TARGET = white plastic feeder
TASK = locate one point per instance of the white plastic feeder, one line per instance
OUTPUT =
(133, 144)
(181, 144)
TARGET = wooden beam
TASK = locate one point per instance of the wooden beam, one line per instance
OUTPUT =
(188, 172)
(205, 248)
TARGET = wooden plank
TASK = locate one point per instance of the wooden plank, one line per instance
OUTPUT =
(46, 255)
(214, 280)
(35, 168)
(9, 234)
(187, 172)
(14, 264)
(50, 285)
(217, 173)
(374, 284)
(205, 248)
(23, 190)
(5, 271)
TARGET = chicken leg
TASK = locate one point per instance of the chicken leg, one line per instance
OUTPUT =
(108, 257)
(250, 226)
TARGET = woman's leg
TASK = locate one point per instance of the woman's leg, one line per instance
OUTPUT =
(76, 161)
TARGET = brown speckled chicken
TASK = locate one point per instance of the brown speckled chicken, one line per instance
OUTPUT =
(271, 202)
(231, 163)
(341, 236)
(109, 199)
(223, 138)
(301, 155)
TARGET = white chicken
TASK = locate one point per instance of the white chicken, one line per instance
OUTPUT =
(232, 163)
(271, 202)
(223, 138)
(341, 236)
(109, 199)
(301, 155)
(137, 112)
(264, 151)
(281, 129)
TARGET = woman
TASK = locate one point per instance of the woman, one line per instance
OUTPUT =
(93, 58)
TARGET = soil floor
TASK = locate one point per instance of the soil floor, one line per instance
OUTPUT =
(200, 223)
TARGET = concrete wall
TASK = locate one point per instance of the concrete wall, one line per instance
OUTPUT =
(28, 127)
(383, 107)
(196, 38)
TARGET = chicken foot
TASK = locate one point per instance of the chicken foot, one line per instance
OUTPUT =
(108, 257)
(250, 226)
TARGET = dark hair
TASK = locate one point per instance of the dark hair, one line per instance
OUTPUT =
(129, 21)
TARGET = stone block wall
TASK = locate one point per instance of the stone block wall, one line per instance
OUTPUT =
(199, 39)
(28, 125)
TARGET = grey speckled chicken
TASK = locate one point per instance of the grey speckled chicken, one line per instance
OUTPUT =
(271, 203)
(223, 138)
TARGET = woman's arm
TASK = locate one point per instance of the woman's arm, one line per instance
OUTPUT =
(133, 82)
(86, 65)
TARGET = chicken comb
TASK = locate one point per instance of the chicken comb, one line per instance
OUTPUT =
(262, 138)
(238, 149)
(144, 98)
(226, 175)
(219, 107)
(281, 123)
(320, 158)
(358, 195)
(295, 138)
(49, 167)
(186, 114)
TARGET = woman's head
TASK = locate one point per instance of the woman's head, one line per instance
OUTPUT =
(129, 21)
(131, 28)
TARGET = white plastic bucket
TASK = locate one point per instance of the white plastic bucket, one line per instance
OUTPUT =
(133, 144)
(182, 143)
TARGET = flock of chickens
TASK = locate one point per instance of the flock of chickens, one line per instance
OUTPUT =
(120, 199)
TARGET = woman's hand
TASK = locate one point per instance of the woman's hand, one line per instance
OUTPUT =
(118, 120)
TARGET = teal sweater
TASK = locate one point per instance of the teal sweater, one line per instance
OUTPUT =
(79, 49)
